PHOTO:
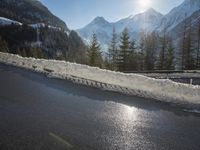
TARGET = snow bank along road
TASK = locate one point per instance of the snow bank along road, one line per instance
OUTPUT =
(133, 84)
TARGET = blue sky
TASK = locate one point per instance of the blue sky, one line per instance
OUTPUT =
(78, 13)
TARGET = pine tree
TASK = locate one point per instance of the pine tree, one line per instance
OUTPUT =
(24, 53)
(149, 48)
(3, 45)
(37, 52)
(112, 51)
(169, 64)
(124, 51)
(107, 64)
(189, 49)
(140, 60)
(18, 51)
(141, 51)
(183, 48)
(162, 59)
(133, 57)
(94, 53)
(198, 49)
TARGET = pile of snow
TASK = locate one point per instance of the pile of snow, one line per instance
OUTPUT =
(159, 89)
(6, 21)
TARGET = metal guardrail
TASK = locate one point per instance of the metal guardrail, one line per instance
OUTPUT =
(165, 71)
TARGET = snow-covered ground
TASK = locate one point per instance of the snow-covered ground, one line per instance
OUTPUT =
(133, 84)
(5, 21)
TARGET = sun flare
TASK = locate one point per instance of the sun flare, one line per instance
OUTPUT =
(144, 4)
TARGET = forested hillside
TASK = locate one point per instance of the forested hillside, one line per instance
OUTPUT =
(28, 28)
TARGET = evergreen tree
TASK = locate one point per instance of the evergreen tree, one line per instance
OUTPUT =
(3, 45)
(183, 48)
(94, 53)
(169, 64)
(112, 51)
(124, 51)
(149, 48)
(24, 53)
(107, 64)
(162, 58)
(37, 52)
(189, 60)
(198, 48)
(18, 51)
(140, 60)
(21, 52)
(133, 57)
(141, 54)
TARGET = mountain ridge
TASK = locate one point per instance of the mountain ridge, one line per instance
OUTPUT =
(28, 24)
(29, 12)
(150, 20)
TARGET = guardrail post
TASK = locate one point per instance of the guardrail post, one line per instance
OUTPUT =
(191, 80)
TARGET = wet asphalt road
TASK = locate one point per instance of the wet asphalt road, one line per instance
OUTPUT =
(39, 113)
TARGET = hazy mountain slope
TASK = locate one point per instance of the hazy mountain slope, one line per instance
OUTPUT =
(192, 24)
(178, 14)
(150, 20)
(103, 29)
(144, 21)
(99, 26)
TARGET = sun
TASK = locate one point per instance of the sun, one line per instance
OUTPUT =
(144, 4)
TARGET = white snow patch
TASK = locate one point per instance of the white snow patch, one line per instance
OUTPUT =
(37, 25)
(134, 84)
(5, 21)
(192, 111)
(67, 32)
(42, 25)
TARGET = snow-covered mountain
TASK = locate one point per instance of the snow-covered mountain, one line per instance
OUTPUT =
(177, 32)
(150, 20)
(178, 14)
(147, 20)
(144, 21)
(99, 26)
